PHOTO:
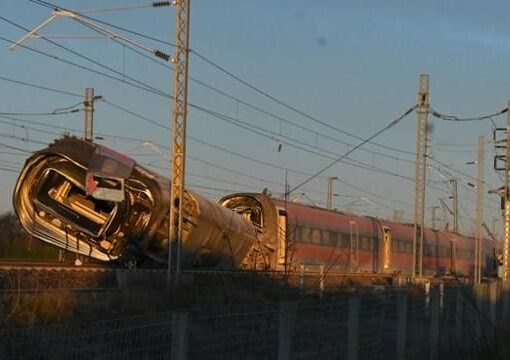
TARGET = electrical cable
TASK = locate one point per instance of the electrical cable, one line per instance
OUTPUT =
(260, 110)
(222, 69)
(58, 91)
(57, 58)
(87, 58)
(40, 113)
(134, 7)
(387, 127)
(54, 6)
(459, 119)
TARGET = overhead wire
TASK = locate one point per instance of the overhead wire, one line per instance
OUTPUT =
(40, 113)
(347, 153)
(461, 119)
(53, 6)
(76, 53)
(223, 93)
(156, 4)
(97, 72)
(139, 34)
(229, 73)
(58, 91)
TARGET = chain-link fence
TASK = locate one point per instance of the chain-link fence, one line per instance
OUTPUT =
(438, 323)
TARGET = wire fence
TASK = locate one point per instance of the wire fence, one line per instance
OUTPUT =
(436, 323)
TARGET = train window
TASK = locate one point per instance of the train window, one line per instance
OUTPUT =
(70, 202)
(333, 240)
(305, 234)
(345, 240)
(404, 246)
(408, 247)
(398, 246)
(442, 251)
(316, 236)
(325, 238)
(364, 243)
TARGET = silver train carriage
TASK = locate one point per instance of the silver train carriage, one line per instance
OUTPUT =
(89, 199)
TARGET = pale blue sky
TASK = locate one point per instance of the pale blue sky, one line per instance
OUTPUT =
(352, 64)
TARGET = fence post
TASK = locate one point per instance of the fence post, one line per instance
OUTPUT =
(459, 316)
(321, 280)
(401, 326)
(434, 324)
(493, 301)
(353, 329)
(286, 327)
(505, 304)
(180, 328)
(302, 278)
(478, 313)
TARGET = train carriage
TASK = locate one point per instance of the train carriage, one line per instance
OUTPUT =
(299, 234)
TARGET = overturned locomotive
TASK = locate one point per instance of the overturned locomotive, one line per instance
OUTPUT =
(89, 199)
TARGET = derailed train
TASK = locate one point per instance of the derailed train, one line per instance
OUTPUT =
(89, 199)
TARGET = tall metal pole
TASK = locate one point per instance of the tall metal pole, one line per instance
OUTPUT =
(420, 172)
(180, 107)
(506, 214)
(89, 114)
(455, 201)
(330, 191)
(479, 208)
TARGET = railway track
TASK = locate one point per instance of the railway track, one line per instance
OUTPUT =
(7, 265)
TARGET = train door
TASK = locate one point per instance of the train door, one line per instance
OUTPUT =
(386, 250)
(353, 246)
(282, 240)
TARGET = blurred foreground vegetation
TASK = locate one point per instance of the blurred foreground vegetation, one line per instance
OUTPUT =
(15, 243)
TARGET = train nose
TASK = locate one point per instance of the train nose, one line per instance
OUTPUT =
(52, 204)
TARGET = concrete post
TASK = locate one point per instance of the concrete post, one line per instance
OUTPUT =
(302, 278)
(493, 301)
(321, 285)
(434, 325)
(353, 329)
(505, 304)
(286, 327)
(180, 329)
(478, 311)
(459, 317)
(401, 326)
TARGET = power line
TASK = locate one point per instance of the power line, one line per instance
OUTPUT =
(57, 58)
(87, 58)
(223, 93)
(40, 113)
(134, 7)
(460, 119)
(54, 6)
(390, 125)
(229, 73)
(32, 85)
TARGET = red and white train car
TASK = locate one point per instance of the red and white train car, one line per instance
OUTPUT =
(293, 234)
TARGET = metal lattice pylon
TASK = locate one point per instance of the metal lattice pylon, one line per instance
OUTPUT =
(506, 213)
(420, 174)
(180, 106)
